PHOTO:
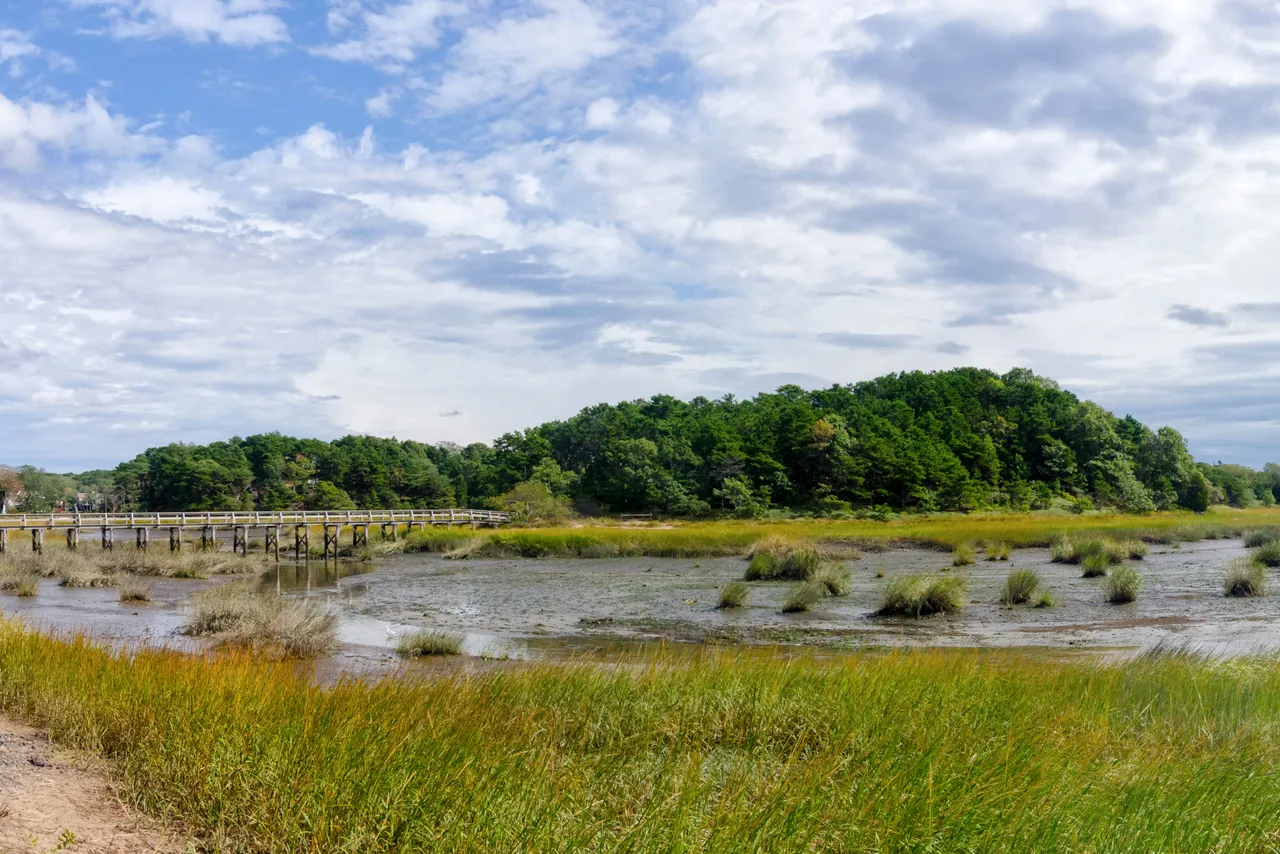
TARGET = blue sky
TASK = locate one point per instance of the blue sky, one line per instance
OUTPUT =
(444, 219)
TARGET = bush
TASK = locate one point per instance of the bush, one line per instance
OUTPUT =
(962, 555)
(1019, 587)
(733, 595)
(1095, 565)
(422, 642)
(803, 596)
(835, 579)
(1268, 554)
(532, 503)
(1122, 585)
(1244, 578)
(998, 551)
(915, 596)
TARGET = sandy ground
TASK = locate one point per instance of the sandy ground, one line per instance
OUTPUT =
(49, 796)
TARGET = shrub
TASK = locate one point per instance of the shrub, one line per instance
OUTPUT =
(915, 596)
(421, 642)
(134, 590)
(1094, 565)
(1268, 554)
(733, 595)
(998, 551)
(962, 555)
(1122, 585)
(835, 578)
(1244, 578)
(803, 596)
(1019, 587)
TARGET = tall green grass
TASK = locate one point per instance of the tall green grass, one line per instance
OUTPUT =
(923, 751)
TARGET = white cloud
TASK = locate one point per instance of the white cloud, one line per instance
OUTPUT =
(30, 128)
(391, 37)
(234, 22)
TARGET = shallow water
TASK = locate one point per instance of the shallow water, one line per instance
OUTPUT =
(540, 608)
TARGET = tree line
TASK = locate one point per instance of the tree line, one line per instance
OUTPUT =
(957, 440)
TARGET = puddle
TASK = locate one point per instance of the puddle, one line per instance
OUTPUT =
(521, 609)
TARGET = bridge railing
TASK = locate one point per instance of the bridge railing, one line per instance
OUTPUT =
(21, 521)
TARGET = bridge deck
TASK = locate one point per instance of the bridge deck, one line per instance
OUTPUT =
(28, 521)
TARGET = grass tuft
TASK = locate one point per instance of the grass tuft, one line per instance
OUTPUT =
(835, 578)
(1244, 578)
(424, 642)
(998, 551)
(1260, 537)
(1095, 565)
(1122, 586)
(281, 627)
(134, 590)
(962, 555)
(1268, 554)
(733, 595)
(1019, 587)
(803, 597)
(917, 596)
(1045, 600)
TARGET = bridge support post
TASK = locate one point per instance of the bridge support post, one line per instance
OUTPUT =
(208, 538)
(4, 541)
(331, 533)
(175, 539)
(37, 540)
(73, 538)
(240, 540)
(301, 542)
(271, 541)
(359, 536)
(108, 544)
(143, 536)
(389, 531)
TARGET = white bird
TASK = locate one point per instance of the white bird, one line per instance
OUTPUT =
(391, 633)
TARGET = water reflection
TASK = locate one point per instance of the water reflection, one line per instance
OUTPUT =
(315, 577)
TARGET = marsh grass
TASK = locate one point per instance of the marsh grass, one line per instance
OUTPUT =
(1268, 554)
(238, 616)
(935, 750)
(783, 561)
(134, 590)
(84, 576)
(1122, 585)
(918, 596)
(1244, 578)
(835, 578)
(1261, 537)
(20, 582)
(1045, 599)
(1019, 587)
(998, 551)
(803, 596)
(424, 642)
(1094, 565)
(733, 595)
(962, 554)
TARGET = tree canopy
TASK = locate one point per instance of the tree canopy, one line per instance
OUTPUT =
(954, 440)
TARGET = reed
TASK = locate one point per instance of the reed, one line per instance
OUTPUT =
(733, 595)
(1019, 587)
(905, 751)
(1244, 578)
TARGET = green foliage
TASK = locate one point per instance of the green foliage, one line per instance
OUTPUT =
(998, 551)
(533, 503)
(1260, 537)
(962, 555)
(835, 578)
(733, 595)
(953, 440)
(1122, 585)
(1019, 587)
(325, 496)
(1244, 578)
(1046, 600)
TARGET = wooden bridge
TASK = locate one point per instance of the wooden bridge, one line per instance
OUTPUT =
(71, 525)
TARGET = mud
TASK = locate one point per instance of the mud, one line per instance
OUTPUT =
(538, 608)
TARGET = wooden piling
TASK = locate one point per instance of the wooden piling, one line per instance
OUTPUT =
(143, 536)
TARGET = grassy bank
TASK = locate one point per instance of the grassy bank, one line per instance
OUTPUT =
(905, 752)
(708, 539)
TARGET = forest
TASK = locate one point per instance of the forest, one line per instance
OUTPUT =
(958, 440)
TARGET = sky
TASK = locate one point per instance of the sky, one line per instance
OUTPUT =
(447, 219)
